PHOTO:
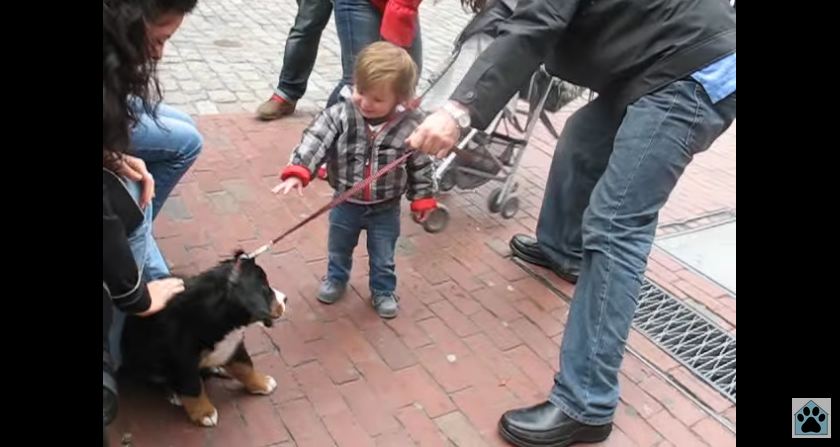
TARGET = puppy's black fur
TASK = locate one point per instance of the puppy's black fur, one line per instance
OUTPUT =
(171, 345)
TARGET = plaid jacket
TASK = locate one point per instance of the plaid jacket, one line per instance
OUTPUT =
(340, 136)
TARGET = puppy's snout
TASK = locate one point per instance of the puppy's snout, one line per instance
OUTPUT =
(279, 308)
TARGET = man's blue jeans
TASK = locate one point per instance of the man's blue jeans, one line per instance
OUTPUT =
(613, 170)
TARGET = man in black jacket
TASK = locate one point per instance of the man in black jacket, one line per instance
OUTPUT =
(664, 71)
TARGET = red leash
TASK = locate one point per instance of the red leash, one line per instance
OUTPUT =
(335, 202)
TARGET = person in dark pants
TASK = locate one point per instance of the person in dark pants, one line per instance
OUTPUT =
(664, 71)
(298, 58)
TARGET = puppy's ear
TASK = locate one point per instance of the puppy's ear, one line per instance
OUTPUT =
(235, 271)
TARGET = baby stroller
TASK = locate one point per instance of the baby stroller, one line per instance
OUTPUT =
(494, 153)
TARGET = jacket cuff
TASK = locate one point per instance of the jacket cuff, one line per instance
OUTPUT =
(423, 205)
(298, 171)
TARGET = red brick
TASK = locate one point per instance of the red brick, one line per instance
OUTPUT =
(292, 348)
(459, 297)
(392, 392)
(536, 369)
(660, 275)
(543, 320)
(727, 313)
(338, 367)
(535, 339)
(504, 267)
(499, 332)
(145, 414)
(443, 337)
(412, 280)
(499, 246)
(261, 421)
(636, 428)
(390, 347)
(676, 402)
(460, 275)
(454, 319)
(698, 295)
(666, 260)
(409, 332)
(342, 333)
(674, 430)
(714, 433)
(730, 415)
(287, 387)
(231, 425)
(303, 424)
(468, 258)
(498, 302)
(411, 307)
(617, 439)
(208, 182)
(305, 321)
(650, 351)
(634, 368)
(458, 429)
(483, 406)
(367, 408)
(320, 390)
(708, 287)
(346, 431)
(455, 375)
(432, 271)
(703, 391)
(637, 398)
(505, 371)
(422, 430)
(539, 294)
(564, 289)
(398, 438)
(424, 391)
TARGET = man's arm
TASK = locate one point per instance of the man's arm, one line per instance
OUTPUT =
(523, 42)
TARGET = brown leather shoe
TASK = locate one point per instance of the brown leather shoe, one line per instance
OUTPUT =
(275, 108)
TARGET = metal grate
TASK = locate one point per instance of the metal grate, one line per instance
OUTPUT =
(692, 339)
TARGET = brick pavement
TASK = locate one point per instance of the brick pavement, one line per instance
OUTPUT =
(477, 334)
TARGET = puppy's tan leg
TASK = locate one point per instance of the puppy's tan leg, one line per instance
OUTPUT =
(200, 410)
(241, 368)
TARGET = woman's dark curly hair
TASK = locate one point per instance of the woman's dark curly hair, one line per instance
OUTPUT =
(128, 74)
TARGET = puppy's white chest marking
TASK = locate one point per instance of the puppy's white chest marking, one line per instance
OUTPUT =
(223, 350)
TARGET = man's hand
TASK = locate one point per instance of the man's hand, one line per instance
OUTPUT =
(436, 135)
(289, 184)
(134, 169)
(161, 291)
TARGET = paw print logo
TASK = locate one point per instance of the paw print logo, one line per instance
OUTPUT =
(811, 420)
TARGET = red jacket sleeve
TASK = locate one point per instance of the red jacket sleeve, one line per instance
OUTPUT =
(399, 21)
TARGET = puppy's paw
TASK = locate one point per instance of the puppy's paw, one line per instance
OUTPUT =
(268, 386)
(208, 420)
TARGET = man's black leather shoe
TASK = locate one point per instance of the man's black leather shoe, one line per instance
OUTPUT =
(527, 249)
(545, 425)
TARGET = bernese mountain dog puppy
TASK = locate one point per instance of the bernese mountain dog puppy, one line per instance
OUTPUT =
(203, 328)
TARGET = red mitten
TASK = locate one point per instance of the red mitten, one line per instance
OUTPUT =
(296, 171)
(422, 207)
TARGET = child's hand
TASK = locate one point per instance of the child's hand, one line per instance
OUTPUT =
(421, 216)
(287, 185)
(422, 208)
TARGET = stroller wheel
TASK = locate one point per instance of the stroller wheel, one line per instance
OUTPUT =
(493, 201)
(437, 220)
(447, 181)
(510, 207)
